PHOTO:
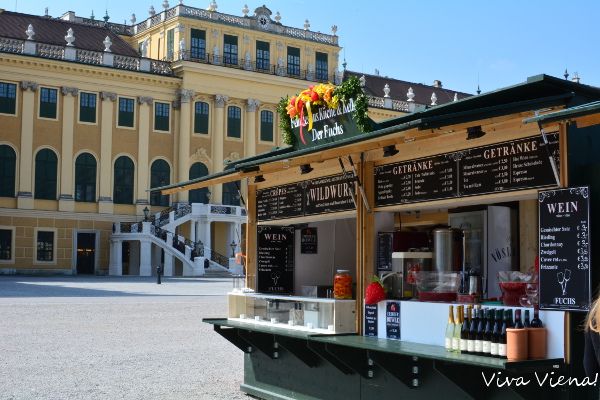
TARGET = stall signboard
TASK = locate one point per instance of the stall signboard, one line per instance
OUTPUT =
(328, 125)
(275, 259)
(371, 320)
(564, 249)
(316, 196)
(512, 165)
(308, 241)
(392, 320)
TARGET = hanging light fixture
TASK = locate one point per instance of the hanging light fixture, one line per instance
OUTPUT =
(474, 132)
(305, 169)
(389, 151)
(259, 179)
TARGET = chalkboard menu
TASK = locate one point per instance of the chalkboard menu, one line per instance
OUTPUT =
(384, 250)
(564, 249)
(317, 196)
(392, 320)
(512, 165)
(371, 320)
(275, 259)
(280, 202)
(308, 241)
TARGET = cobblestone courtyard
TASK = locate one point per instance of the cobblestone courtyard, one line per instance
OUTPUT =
(115, 338)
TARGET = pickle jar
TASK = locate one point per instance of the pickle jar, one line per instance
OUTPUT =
(342, 285)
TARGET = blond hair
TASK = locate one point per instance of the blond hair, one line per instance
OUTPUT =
(591, 322)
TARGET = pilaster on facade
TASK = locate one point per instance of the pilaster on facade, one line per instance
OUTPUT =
(145, 100)
(105, 204)
(250, 134)
(221, 100)
(185, 97)
(73, 91)
(65, 201)
(24, 196)
(29, 85)
(142, 167)
(217, 144)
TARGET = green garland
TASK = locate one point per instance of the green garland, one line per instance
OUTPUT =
(349, 89)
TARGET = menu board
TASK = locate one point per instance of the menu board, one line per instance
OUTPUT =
(279, 202)
(416, 180)
(564, 249)
(317, 196)
(308, 241)
(371, 320)
(384, 251)
(328, 194)
(275, 259)
(513, 165)
(392, 320)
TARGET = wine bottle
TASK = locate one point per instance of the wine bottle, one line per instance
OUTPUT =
(502, 338)
(518, 323)
(526, 323)
(479, 333)
(472, 331)
(509, 318)
(464, 332)
(449, 329)
(487, 333)
(536, 322)
(457, 329)
(496, 331)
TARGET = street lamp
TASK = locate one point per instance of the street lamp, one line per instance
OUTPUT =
(146, 211)
(233, 245)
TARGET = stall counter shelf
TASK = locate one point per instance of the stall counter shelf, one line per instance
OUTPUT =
(303, 314)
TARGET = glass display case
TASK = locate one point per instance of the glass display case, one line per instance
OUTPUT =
(312, 314)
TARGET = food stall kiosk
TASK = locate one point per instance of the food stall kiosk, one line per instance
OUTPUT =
(317, 209)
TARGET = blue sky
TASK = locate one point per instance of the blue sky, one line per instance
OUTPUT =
(461, 43)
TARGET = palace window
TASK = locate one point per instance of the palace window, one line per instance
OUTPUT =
(263, 56)
(45, 246)
(161, 116)
(123, 181)
(87, 107)
(266, 126)
(6, 244)
(160, 175)
(198, 170)
(8, 98)
(322, 70)
(126, 112)
(8, 162)
(85, 178)
(201, 117)
(46, 164)
(198, 45)
(230, 49)
(48, 103)
(293, 61)
(234, 122)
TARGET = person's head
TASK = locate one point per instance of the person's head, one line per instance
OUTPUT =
(593, 318)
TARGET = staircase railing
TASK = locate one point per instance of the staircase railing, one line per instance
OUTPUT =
(219, 258)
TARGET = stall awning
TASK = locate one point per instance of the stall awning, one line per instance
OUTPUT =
(584, 115)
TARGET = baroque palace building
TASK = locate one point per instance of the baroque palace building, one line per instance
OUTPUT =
(93, 114)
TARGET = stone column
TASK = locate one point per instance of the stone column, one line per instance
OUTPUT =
(250, 135)
(168, 267)
(105, 203)
(24, 194)
(143, 168)
(145, 258)
(218, 136)
(193, 231)
(116, 258)
(65, 200)
(185, 132)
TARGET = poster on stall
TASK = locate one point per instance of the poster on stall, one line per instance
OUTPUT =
(392, 320)
(371, 320)
(275, 259)
(308, 241)
(564, 249)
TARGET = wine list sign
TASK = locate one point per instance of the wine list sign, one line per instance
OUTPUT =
(275, 259)
(564, 249)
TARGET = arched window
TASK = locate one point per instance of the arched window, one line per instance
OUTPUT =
(8, 161)
(46, 164)
(123, 181)
(160, 175)
(85, 178)
(198, 170)
(231, 194)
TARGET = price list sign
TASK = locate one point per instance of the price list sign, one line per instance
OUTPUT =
(508, 166)
(275, 259)
(279, 202)
(423, 179)
(564, 249)
(328, 194)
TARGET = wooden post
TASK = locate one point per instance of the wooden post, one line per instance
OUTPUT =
(365, 233)
(251, 238)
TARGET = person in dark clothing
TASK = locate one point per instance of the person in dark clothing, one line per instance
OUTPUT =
(591, 354)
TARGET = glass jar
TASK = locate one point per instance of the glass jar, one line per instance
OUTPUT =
(342, 285)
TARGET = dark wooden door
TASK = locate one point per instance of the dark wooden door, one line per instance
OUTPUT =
(86, 251)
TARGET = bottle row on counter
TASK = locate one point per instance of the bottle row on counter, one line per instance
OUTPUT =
(491, 332)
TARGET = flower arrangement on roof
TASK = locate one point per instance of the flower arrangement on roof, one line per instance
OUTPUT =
(322, 95)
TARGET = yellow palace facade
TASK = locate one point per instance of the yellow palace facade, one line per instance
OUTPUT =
(92, 114)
